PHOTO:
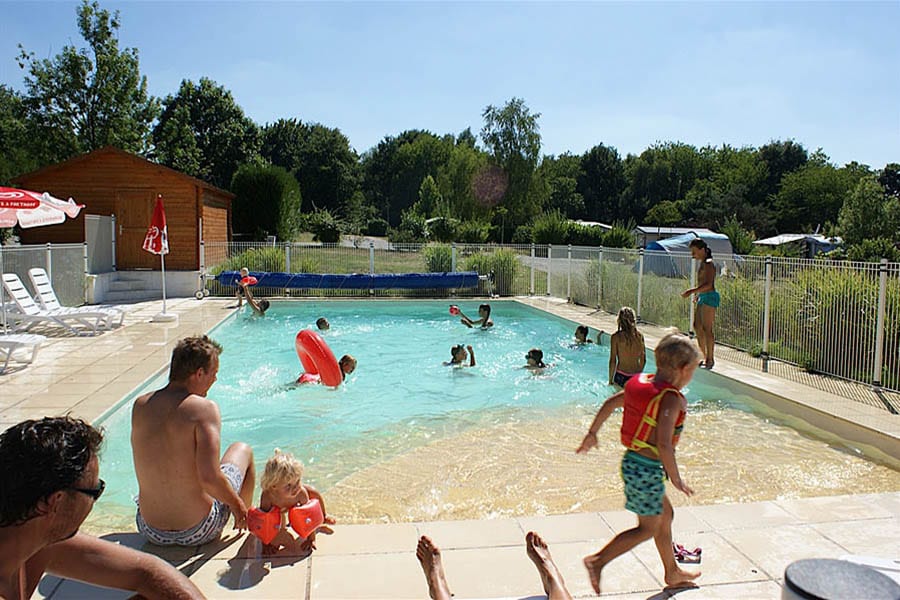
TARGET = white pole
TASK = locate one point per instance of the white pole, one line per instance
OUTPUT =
(2, 287)
(531, 288)
(162, 258)
(767, 318)
(879, 324)
(692, 303)
(569, 276)
(640, 290)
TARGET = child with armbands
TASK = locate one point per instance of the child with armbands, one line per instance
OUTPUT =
(239, 292)
(286, 500)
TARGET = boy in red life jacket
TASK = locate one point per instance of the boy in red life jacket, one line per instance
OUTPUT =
(654, 413)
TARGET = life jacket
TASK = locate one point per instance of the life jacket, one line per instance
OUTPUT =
(642, 398)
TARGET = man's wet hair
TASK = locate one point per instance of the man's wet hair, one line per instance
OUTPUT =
(192, 353)
(39, 457)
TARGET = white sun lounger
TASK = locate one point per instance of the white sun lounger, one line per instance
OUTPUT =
(28, 314)
(10, 343)
(46, 297)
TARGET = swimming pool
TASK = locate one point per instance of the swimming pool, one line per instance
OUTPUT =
(410, 439)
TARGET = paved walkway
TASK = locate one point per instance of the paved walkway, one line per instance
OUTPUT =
(745, 546)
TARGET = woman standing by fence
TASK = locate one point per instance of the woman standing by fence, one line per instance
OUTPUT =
(707, 300)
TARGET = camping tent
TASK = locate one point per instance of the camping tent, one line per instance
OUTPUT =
(671, 257)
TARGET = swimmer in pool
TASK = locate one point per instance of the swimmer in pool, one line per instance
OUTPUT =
(458, 356)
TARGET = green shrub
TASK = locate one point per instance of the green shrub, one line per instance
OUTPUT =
(443, 229)
(619, 236)
(267, 259)
(412, 229)
(586, 235)
(551, 228)
(438, 258)
(267, 202)
(473, 232)
(503, 263)
(873, 250)
(377, 227)
(325, 227)
(524, 234)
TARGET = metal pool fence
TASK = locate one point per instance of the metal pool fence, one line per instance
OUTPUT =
(835, 318)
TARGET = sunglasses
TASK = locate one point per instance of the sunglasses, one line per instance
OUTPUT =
(94, 492)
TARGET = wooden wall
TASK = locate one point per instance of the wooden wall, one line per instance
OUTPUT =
(107, 182)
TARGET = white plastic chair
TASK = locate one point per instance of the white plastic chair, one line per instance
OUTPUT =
(10, 343)
(28, 314)
(46, 297)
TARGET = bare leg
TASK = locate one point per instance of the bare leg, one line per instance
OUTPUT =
(539, 553)
(241, 455)
(675, 577)
(619, 545)
(706, 315)
(700, 332)
(429, 557)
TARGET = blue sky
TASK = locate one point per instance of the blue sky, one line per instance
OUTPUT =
(623, 74)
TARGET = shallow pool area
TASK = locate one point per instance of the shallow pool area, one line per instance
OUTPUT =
(408, 439)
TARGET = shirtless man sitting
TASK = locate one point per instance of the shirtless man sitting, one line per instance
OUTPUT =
(186, 494)
(50, 476)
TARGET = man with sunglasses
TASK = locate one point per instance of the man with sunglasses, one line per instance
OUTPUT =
(50, 476)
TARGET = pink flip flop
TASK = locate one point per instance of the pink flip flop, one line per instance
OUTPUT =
(683, 555)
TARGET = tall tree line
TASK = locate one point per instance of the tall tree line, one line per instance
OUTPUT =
(489, 186)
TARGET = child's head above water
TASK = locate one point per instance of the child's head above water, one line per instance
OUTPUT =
(581, 333)
(323, 324)
(484, 311)
(264, 306)
(347, 364)
(458, 353)
(281, 469)
(536, 356)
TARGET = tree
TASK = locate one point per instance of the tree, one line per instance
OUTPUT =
(267, 201)
(202, 132)
(281, 143)
(664, 214)
(810, 197)
(90, 97)
(17, 153)
(889, 178)
(512, 137)
(430, 203)
(328, 168)
(601, 182)
(869, 213)
(781, 158)
(561, 175)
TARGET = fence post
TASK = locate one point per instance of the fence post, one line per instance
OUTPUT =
(453, 257)
(569, 276)
(766, 315)
(287, 257)
(692, 303)
(531, 289)
(640, 282)
(549, 265)
(50, 261)
(879, 324)
(600, 279)
(371, 263)
(113, 224)
(84, 278)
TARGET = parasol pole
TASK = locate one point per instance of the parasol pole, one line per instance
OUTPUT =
(2, 288)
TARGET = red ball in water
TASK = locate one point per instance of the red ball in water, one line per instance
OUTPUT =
(454, 310)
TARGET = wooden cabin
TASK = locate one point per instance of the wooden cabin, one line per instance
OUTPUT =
(110, 181)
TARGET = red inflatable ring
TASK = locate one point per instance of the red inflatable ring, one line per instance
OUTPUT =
(317, 358)
(249, 280)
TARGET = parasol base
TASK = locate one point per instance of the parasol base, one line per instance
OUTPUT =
(164, 317)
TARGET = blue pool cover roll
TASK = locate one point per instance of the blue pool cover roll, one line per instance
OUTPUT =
(356, 281)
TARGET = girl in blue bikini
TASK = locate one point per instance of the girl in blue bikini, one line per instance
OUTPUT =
(707, 300)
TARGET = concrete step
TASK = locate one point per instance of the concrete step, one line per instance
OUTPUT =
(127, 285)
(129, 296)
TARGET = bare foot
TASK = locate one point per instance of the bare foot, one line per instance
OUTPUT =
(594, 565)
(429, 556)
(681, 579)
(539, 554)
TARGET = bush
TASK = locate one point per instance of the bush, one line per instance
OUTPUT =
(438, 258)
(873, 250)
(377, 227)
(619, 236)
(267, 202)
(325, 227)
(551, 228)
(443, 229)
(586, 235)
(473, 232)
(504, 264)
(524, 234)
(268, 259)
(412, 229)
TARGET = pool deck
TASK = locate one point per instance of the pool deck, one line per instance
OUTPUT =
(746, 546)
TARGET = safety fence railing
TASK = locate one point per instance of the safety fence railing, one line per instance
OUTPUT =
(836, 318)
(66, 264)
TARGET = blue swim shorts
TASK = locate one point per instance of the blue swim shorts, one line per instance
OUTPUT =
(644, 484)
(207, 530)
(709, 299)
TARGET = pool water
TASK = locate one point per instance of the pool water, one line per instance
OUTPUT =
(407, 438)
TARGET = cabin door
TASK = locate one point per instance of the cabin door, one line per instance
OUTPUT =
(134, 208)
